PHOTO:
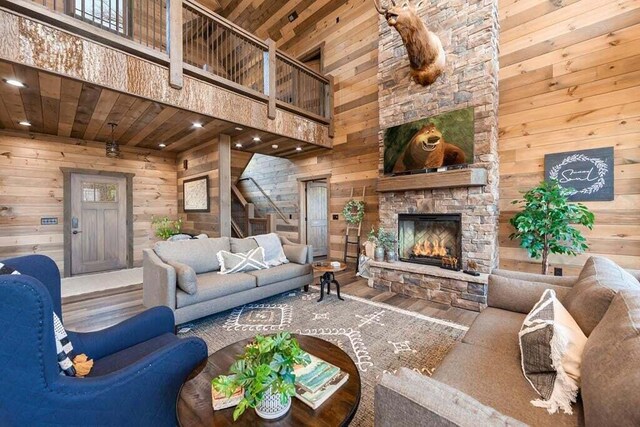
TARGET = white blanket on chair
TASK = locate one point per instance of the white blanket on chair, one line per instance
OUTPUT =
(273, 252)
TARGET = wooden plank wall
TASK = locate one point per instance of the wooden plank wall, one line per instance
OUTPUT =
(349, 31)
(31, 187)
(202, 161)
(570, 80)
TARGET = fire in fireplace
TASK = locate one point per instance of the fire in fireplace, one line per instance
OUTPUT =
(428, 238)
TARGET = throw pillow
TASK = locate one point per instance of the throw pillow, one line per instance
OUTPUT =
(551, 346)
(63, 344)
(599, 281)
(295, 253)
(273, 252)
(236, 263)
(185, 276)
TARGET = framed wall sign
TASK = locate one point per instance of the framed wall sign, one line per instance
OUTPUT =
(589, 172)
(196, 195)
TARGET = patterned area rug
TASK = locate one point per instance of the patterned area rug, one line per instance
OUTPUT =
(378, 337)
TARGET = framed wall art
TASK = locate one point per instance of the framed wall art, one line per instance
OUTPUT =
(196, 195)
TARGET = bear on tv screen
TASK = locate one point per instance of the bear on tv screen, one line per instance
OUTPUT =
(433, 143)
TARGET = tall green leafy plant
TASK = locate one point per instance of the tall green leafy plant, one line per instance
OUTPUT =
(546, 223)
(266, 365)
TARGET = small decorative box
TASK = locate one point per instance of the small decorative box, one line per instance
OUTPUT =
(220, 401)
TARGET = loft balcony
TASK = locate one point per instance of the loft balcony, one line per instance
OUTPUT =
(179, 55)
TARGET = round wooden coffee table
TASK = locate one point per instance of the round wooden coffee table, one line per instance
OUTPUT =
(328, 276)
(194, 407)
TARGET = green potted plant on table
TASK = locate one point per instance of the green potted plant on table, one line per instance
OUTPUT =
(165, 227)
(385, 242)
(265, 372)
(545, 224)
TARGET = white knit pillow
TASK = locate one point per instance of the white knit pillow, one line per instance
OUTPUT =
(551, 346)
(236, 263)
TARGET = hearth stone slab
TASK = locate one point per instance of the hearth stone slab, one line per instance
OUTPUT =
(451, 288)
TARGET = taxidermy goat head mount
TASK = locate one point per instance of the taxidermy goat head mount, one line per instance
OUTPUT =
(426, 55)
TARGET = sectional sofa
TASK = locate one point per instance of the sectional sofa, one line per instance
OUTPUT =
(480, 382)
(217, 292)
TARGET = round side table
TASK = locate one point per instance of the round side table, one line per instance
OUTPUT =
(328, 276)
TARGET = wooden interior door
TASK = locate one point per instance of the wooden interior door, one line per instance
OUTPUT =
(98, 223)
(317, 217)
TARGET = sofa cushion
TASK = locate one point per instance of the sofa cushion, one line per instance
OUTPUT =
(199, 254)
(610, 374)
(296, 253)
(589, 299)
(496, 328)
(215, 285)
(280, 273)
(241, 246)
(518, 295)
(130, 355)
(412, 399)
(185, 276)
(495, 379)
(566, 281)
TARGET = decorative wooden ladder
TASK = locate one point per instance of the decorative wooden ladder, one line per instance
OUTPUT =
(348, 234)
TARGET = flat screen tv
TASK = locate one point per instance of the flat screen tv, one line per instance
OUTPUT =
(431, 144)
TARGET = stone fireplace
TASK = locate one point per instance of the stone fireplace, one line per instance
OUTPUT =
(469, 34)
(426, 239)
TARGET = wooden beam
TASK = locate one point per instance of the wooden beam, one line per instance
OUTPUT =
(224, 182)
(471, 177)
(328, 104)
(176, 78)
(270, 72)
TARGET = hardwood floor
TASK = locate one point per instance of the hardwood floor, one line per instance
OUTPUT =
(99, 310)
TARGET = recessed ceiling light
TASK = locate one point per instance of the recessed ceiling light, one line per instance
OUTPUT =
(298, 148)
(24, 123)
(292, 16)
(238, 145)
(162, 145)
(274, 146)
(197, 125)
(256, 139)
(238, 128)
(14, 82)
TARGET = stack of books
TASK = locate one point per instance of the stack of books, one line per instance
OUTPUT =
(317, 381)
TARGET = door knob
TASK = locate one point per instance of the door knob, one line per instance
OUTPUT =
(76, 231)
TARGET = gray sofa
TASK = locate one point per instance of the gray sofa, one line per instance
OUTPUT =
(217, 292)
(480, 382)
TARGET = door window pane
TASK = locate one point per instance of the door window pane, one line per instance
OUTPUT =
(99, 192)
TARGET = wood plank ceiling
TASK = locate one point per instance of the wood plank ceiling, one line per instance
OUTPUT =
(65, 107)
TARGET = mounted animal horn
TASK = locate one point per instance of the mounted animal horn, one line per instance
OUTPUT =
(424, 48)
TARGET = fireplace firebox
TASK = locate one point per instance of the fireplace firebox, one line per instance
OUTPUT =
(428, 238)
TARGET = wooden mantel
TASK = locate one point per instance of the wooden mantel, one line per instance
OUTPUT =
(471, 177)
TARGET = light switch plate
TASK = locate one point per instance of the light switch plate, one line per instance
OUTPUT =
(49, 221)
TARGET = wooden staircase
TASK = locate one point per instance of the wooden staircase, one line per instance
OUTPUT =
(246, 222)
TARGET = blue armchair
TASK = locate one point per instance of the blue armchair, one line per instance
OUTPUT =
(139, 367)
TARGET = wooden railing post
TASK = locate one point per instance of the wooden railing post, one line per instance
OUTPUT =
(270, 72)
(328, 105)
(174, 44)
(224, 181)
(271, 223)
(250, 212)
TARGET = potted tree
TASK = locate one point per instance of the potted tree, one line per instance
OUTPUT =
(546, 223)
(265, 372)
